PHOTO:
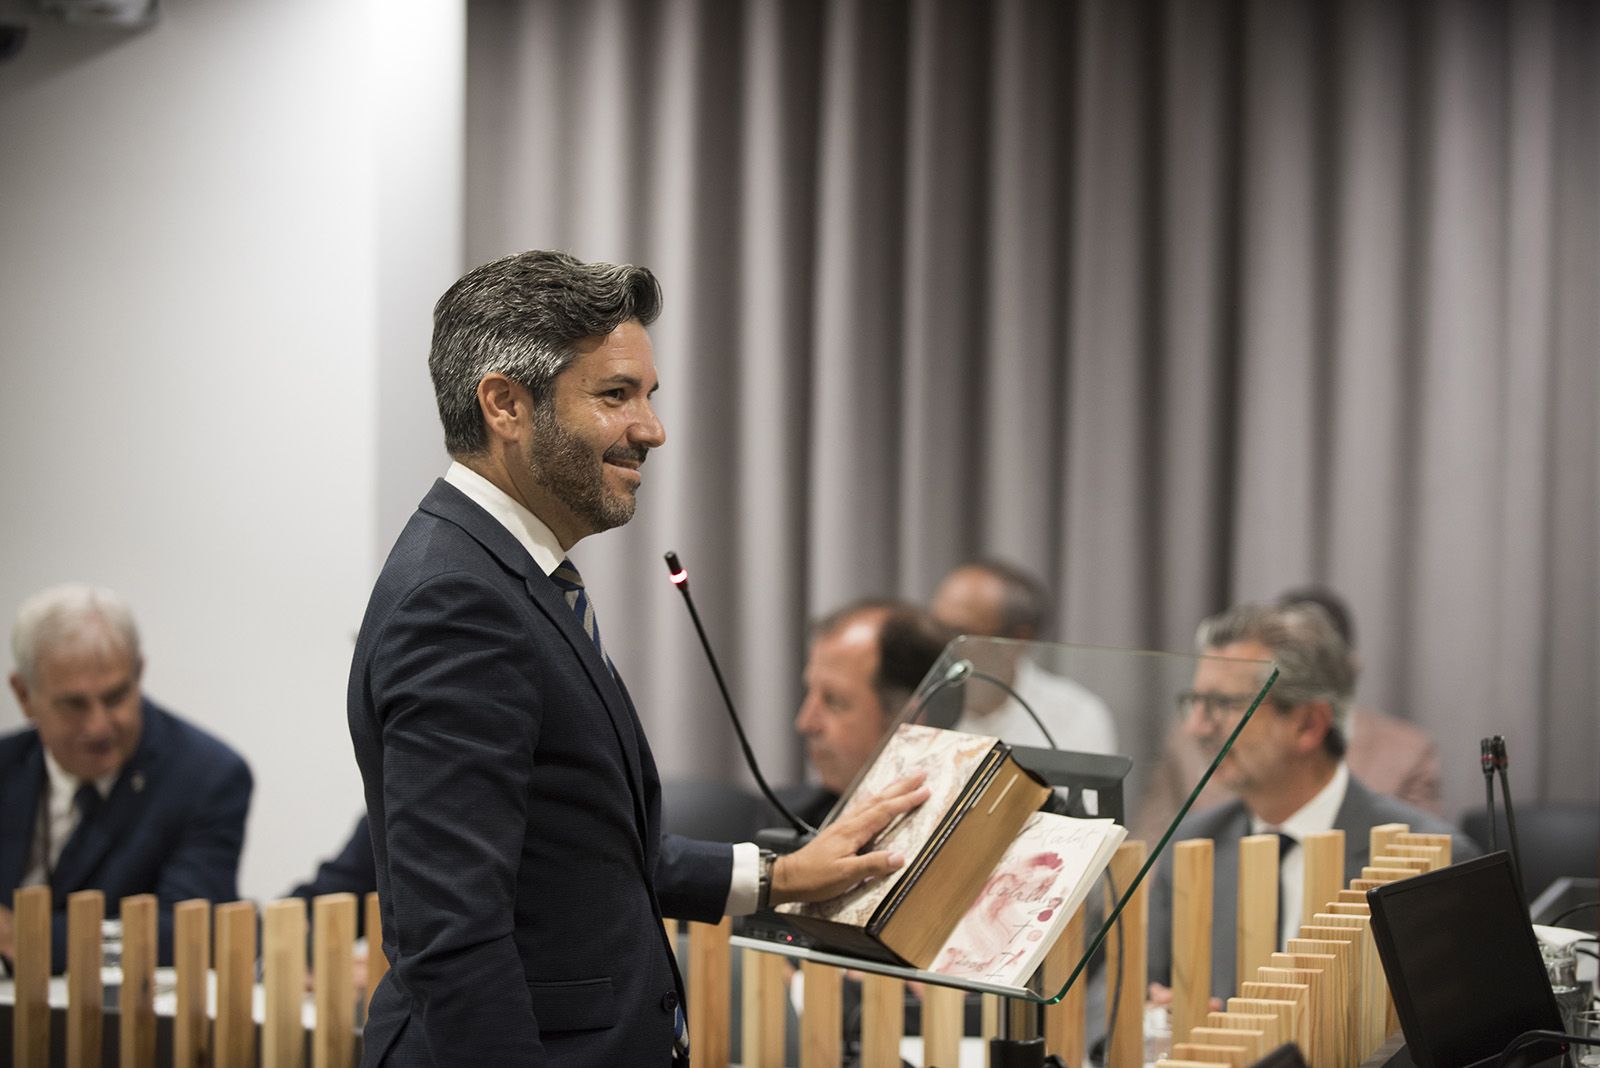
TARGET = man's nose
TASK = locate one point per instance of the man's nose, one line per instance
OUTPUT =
(648, 430)
(805, 719)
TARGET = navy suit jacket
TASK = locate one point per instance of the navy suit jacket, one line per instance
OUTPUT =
(173, 824)
(515, 811)
(1225, 825)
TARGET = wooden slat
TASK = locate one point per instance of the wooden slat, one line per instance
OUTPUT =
(1298, 993)
(333, 936)
(1169, 1062)
(1066, 1020)
(86, 910)
(1328, 1026)
(377, 963)
(283, 961)
(710, 991)
(1191, 933)
(1204, 1053)
(1254, 1042)
(1381, 837)
(1434, 856)
(765, 990)
(136, 1001)
(1443, 842)
(821, 1022)
(1273, 1033)
(236, 973)
(1387, 875)
(942, 1010)
(989, 1016)
(1344, 945)
(30, 1027)
(1324, 871)
(1416, 865)
(883, 1003)
(1285, 1012)
(1372, 1012)
(1316, 1046)
(1257, 907)
(191, 958)
(1127, 956)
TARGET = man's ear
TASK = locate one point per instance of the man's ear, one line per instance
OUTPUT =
(20, 688)
(1318, 722)
(507, 406)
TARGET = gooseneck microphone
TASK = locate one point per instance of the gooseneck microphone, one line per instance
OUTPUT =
(962, 670)
(1493, 758)
(680, 579)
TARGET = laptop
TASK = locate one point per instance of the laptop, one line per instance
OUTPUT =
(1464, 966)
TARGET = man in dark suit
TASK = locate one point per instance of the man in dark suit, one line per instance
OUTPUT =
(107, 790)
(514, 803)
(1286, 768)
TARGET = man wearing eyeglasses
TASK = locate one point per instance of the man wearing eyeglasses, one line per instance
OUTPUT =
(1286, 768)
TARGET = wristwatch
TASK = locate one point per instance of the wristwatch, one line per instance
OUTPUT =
(764, 880)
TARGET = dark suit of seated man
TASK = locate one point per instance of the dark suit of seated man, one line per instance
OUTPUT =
(107, 790)
(1286, 768)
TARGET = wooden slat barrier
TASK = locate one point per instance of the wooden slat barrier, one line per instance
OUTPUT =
(1254, 1043)
(765, 992)
(30, 1018)
(377, 963)
(1257, 907)
(1207, 1053)
(1316, 1045)
(1381, 837)
(1442, 842)
(1268, 1024)
(1191, 933)
(1064, 1022)
(235, 1039)
(1126, 956)
(1337, 961)
(191, 959)
(333, 933)
(822, 1020)
(1373, 1009)
(710, 990)
(1298, 994)
(86, 910)
(1286, 1012)
(136, 1004)
(283, 963)
(883, 1001)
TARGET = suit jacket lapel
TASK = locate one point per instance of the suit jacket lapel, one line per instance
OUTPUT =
(19, 818)
(450, 504)
(119, 811)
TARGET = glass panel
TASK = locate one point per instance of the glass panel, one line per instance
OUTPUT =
(1114, 731)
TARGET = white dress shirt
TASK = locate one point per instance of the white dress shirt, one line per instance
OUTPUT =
(533, 535)
(1314, 817)
(62, 816)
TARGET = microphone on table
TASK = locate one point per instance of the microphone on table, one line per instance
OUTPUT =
(680, 579)
(1493, 759)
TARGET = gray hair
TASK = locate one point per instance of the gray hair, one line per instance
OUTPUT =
(1313, 661)
(521, 316)
(73, 616)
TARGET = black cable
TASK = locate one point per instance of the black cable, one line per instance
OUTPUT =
(1017, 697)
(680, 579)
(1564, 913)
(1529, 1037)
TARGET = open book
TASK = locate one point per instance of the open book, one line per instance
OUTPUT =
(1043, 878)
(979, 800)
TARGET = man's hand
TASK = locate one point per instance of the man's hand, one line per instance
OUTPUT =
(829, 865)
(8, 935)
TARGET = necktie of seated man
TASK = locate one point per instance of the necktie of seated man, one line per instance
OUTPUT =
(567, 577)
(1286, 844)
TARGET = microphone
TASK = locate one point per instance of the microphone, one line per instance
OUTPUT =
(962, 670)
(1493, 750)
(680, 579)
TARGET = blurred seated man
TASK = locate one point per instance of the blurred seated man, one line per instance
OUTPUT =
(351, 871)
(1286, 769)
(107, 790)
(994, 599)
(865, 662)
(1389, 755)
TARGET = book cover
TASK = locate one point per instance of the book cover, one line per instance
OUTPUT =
(1042, 879)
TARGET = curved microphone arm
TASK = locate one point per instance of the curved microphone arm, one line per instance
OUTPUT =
(961, 671)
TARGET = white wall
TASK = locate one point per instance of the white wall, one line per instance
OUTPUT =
(202, 258)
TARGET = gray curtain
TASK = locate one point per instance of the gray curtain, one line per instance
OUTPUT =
(1177, 304)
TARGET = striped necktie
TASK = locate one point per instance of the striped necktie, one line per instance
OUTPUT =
(566, 576)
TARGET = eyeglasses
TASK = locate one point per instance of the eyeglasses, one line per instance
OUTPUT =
(1214, 707)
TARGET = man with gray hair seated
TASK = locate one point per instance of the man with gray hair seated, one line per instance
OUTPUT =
(1286, 768)
(106, 790)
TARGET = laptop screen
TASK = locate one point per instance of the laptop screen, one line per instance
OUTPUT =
(1463, 964)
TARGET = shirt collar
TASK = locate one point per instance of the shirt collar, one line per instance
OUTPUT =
(529, 530)
(1315, 816)
(65, 784)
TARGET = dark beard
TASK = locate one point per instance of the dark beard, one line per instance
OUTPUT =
(572, 473)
